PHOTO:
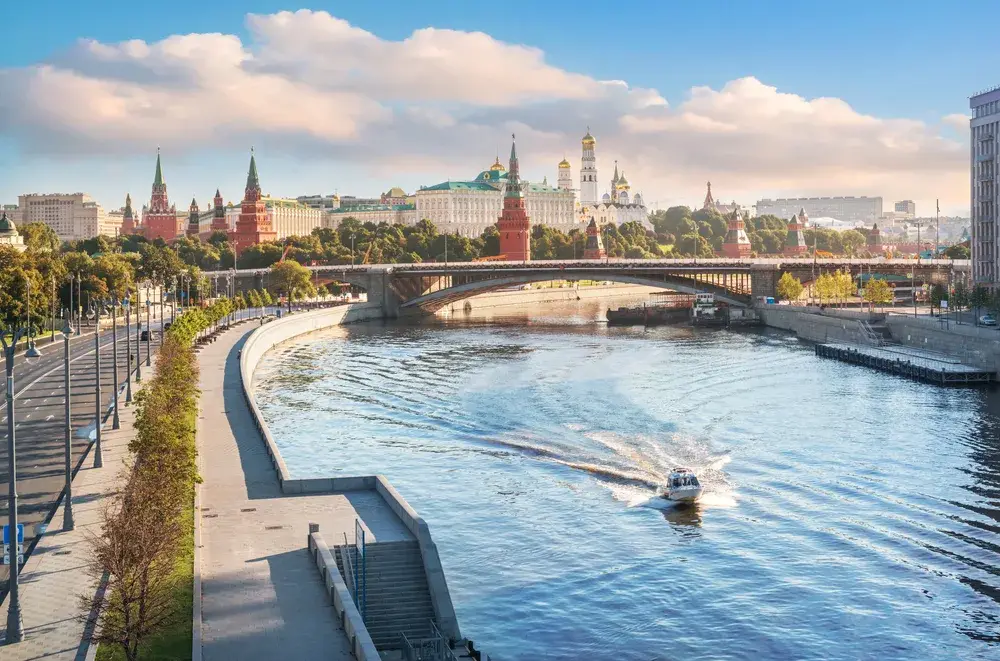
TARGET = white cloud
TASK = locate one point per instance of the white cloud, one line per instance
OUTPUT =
(437, 103)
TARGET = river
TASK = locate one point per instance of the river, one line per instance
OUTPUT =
(848, 514)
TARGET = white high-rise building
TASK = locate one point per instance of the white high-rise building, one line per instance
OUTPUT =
(860, 210)
(588, 171)
(72, 216)
(985, 125)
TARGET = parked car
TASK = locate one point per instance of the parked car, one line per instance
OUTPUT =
(987, 320)
(144, 336)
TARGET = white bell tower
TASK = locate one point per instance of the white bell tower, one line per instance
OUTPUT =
(565, 176)
(588, 172)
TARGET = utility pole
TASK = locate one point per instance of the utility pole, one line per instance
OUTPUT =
(98, 455)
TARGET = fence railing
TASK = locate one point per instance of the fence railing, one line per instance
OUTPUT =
(432, 648)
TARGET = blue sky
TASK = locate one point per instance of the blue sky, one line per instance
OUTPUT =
(888, 60)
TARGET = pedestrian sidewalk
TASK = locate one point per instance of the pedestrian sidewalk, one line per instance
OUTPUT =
(55, 577)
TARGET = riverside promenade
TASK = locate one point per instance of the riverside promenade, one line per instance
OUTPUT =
(261, 595)
(55, 577)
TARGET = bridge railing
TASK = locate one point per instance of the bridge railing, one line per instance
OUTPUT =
(595, 264)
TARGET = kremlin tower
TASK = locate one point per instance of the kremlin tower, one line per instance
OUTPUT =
(254, 226)
(795, 240)
(128, 217)
(594, 248)
(709, 200)
(737, 244)
(194, 220)
(159, 219)
(219, 223)
(514, 225)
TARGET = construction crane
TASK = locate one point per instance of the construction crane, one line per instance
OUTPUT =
(285, 253)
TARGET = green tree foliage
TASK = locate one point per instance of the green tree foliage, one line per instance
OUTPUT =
(958, 251)
(789, 287)
(959, 296)
(290, 276)
(938, 294)
(979, 298)
(878, 292)
(852, 241)
(39, 237)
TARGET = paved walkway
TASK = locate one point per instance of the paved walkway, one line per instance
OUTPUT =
(262, 597)
(53, 578)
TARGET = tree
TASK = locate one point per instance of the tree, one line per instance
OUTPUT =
(959, 296)
(878, 292)
(938, 294)
(789, 287)
(260, 256)
(852, 240)
(979, 298)
(290, 276)
(39, 237)
(958, 251)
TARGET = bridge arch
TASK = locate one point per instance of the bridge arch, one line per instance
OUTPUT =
(433, 301)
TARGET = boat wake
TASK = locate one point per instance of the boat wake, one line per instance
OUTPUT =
(635, 468)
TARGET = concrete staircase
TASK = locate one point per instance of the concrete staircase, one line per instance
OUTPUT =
(398, 600)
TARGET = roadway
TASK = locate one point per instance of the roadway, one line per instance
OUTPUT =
(39, 421)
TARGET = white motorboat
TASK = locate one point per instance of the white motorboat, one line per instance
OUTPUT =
(682, 486)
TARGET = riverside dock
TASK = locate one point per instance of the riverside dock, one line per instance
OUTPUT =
(911, 363)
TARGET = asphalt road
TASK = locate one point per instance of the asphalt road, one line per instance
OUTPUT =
(39, 418)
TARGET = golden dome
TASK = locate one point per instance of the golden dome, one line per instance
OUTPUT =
(497, 166)
(564, 164)
(588, 140)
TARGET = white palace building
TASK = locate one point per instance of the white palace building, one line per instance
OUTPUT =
(469, 207)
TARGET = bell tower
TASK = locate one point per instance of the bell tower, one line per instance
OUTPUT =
(588, 171)
(253, 225)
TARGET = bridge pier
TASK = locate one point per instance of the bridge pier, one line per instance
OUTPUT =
(763, 281)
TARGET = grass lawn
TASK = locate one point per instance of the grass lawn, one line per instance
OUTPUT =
(174, 642)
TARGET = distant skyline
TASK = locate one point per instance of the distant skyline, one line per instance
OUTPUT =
(773, 99)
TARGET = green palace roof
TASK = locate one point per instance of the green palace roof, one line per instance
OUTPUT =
(355, 208)
(462, 185)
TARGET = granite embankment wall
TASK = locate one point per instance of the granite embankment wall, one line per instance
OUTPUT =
(814, 324)
(292, 326)
(549, 295)
(975, 346)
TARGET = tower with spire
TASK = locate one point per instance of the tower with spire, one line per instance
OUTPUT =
(194, 220)
(219, 223)
(159, 218)
(709, 200)
(795, 240)
(253, 226)
(737, 243)
(594, 248)
(514, 225)
(128, 216)
(588, 171)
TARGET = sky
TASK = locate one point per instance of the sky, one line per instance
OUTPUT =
(766, 99)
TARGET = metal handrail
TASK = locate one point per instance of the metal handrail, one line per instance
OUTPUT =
(433, 648)
(345, 552)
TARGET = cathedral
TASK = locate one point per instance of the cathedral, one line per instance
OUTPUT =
(617, 205)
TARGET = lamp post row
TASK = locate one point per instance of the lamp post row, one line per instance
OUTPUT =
(15, 626)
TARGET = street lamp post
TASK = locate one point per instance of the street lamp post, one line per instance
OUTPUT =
(15, 626)
(138, 336)
(98, 455)
(52, 312)
(128, 350)
(68, 499)
(116, 422)
(149, 326)
(161, 312)
(79, 303)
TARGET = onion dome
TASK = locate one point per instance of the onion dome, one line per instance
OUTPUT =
(497, 166)
(622, 181)
(588, 140)
(564, 164)
(7, 225)
(605, 198)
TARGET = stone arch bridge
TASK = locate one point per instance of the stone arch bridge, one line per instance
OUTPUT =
(427, 287)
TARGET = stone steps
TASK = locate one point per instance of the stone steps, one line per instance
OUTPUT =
(397, 599)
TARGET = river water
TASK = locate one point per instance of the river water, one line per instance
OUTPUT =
(848, 514)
